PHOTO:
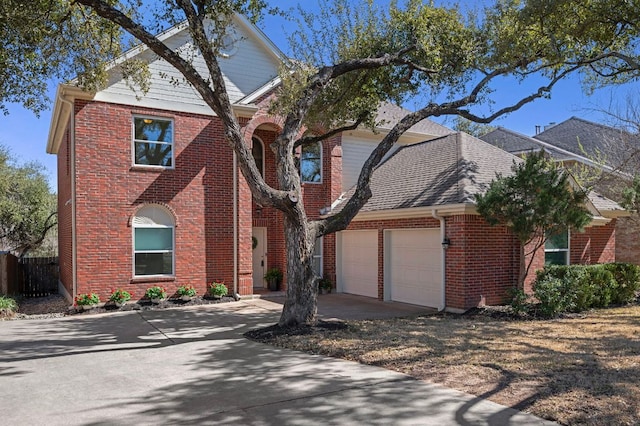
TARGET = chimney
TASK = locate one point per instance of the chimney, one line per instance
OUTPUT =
(537, 129)
(550, 125)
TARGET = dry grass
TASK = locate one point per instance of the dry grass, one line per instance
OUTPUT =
(582, 370)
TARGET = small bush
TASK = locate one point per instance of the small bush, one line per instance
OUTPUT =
(520, 303)
(8, 304)
(576, 288)
(627, 277)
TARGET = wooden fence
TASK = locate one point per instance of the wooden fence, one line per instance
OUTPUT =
(29, 276)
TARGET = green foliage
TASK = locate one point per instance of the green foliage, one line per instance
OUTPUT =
(120, 296)
(85, 299)
(520, 303)
(186, 290)
(27, 207)
(537, 199)
(218, 289)
(156, 292)
(461, 124)
(576, 288)
(627, 275)
(8, 304)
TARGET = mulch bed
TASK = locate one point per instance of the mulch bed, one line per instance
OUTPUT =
(267, 334)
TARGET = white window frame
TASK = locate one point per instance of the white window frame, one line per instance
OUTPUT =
(255, 139)
(319, 255)
(134, 141)
(319, 159)
(567, 250)
(135, 226)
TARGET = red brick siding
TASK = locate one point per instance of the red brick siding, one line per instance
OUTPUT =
(603, 243)
(109, 191)
(627, 241)
(482, 262)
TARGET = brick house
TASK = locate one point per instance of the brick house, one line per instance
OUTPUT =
(149, 193)
(588, 149)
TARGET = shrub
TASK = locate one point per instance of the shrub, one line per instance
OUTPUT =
(8, 304)
(85, 299)
(156, 292)
(627, 277)
(186, 290)
(520, 303)
(120, 296)
(218, 289)
(576, 288)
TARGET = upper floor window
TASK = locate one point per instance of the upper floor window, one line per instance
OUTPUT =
(311, 163)
(152, 142)
(153, 242)
(556, 249)
(257, 149)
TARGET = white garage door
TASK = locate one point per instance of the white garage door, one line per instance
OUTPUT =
(359, 263)
(414, 266)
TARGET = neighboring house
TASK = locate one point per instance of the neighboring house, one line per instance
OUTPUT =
(589, 150)
(149, 193)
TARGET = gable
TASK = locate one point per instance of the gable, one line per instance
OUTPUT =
(252, 64)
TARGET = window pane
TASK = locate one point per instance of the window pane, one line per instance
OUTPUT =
(148, 129)
(310, 164)
(258, 155)
(317, 265)
(154, 263)
(153, 154)
(153, 239)
(557, 241)
(555, 258)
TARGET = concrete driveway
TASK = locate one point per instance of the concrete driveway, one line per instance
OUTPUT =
(192, 366)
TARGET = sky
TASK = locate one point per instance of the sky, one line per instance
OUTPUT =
(26, 135)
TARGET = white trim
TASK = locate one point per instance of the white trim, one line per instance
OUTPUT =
(134, 141)
(257, 94)
(443, 259)
(135, 226)
(319, 243)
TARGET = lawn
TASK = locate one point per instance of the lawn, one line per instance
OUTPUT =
(579, 370)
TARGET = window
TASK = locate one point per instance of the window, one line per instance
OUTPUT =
(257, 150)
(153, 242)
(311, 163)
(317, 257)
(556, 249)
(152, 142)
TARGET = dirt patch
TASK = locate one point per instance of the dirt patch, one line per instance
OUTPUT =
(583, 369)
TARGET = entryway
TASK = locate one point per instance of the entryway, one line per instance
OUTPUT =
(259, 244)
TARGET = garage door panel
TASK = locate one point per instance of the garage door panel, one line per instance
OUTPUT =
(360, 262)
(415, 266)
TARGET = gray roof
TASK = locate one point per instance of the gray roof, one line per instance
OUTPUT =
(392, 114)
(575, 133)
(447, 170)
(517, 143)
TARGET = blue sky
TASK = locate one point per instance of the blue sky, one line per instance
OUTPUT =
(26, 135)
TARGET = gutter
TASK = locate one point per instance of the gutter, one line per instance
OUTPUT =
(443, 258)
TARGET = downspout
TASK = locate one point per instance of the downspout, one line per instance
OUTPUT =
(235, 226)
(72, 160)
(443, 263)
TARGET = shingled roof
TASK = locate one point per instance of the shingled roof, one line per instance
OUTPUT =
(517, 143)
(575, 133)
(448, 170)
(391, 114)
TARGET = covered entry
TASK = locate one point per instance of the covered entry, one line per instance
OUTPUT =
(358, 262)
(413, 268)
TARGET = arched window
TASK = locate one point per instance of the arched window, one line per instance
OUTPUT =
(153, 242)
(311, 163)
(258, 154)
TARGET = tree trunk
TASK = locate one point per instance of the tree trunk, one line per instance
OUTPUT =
(522, 273)
(300, 306)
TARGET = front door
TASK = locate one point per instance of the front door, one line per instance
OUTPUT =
(259, 257)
